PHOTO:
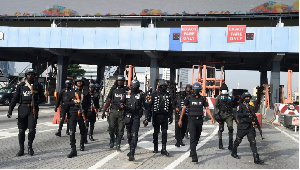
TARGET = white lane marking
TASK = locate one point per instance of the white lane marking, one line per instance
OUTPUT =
(149, 146)
(287, 134)
(187, 154)
(111, 156)
(8, 135)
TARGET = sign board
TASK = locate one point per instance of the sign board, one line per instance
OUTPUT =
(189, 33)
(236, 33)
(1, 35)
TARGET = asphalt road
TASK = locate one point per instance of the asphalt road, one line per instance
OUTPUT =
(279, 150)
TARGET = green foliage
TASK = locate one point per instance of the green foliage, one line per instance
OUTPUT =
(74, 70)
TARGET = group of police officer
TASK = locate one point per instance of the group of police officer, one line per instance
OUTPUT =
(126, 108)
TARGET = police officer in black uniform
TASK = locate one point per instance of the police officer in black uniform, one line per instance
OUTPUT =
(93, 108)
(195, 104)
(133, 104)
(63, 97)
(116, 115)
(180, 132)
(188, 93)
(161, 111)
(77, 115)
(27, 119)
(245, 127)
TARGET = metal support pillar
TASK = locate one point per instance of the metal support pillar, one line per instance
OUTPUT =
(100, 73)
(154, 73)
(263, 78)
(62, 64)
(275, 82)
(121, 66)
(172, 75)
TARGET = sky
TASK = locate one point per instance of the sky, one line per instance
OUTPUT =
(247, 79)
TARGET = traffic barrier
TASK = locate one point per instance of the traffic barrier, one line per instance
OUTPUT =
(259, 118)
(56, 118)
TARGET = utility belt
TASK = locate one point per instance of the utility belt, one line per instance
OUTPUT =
(196, 117)
(115, 107)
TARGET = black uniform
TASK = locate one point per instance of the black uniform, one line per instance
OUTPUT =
(116, 116)
(161, 109)
(75, 118)
(187, 110)
(63, 99)
(195, 119)
(245, 128)
(26, 118)
(92, 109)
(180, 132)
(134, 103)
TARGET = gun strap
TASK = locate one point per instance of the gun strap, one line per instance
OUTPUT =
(29, 86)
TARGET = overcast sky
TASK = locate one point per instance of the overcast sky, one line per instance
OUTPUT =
(247, 79)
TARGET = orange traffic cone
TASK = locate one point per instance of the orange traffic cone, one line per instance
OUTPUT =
(56, 118)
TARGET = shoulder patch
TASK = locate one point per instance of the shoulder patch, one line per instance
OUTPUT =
(237, 109)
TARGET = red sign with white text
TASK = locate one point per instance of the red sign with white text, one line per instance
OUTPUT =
(189, 33)
(236, 33)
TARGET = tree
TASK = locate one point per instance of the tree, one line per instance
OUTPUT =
(75, 70)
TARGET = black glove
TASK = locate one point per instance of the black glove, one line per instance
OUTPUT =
(217, 117)
(145, 122)
(55, 109)
(9, 114)
(170, 120)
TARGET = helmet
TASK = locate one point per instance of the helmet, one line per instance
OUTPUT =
(30, 70)
(68, 82)
(135, 83)
(163, 83)
(182, 89)
(188, 85)
(197, 86)
(246, 94)
(92, 85)
(79, 78)
(120, 78)
(224, 87)
(97, 85)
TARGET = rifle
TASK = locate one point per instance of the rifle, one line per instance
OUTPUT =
(32, 102)
(256, 121)
(80, 107)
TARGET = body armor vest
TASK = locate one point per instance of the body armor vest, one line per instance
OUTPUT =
(26, 97)
(133, 102)
(117, 95)
(225, 103)
(161, 103)
(246, 119)
(196, 106)
(65, 95)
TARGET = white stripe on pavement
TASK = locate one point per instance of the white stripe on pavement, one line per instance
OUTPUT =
(187, 154)
(111, 156)
(287, 134)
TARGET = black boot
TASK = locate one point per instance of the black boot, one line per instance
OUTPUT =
(194, 156)
(177, 144)
(118, 144)
(81, 146)
(73, 152)
(155, 148)
(256, 159)
(112, 141)
(181, 143)
(91, 138)
(58, 133)
(234, 150)
(131, 154)
(21, 151)
(230, 147)
(30, 150)
(68, 131)
(164, 150)
(220, 144)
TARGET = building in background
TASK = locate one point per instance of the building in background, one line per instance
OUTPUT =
(183, 76)
(7, 67)
(166, 74)
(90, 71)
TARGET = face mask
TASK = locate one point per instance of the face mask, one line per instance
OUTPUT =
(196, 92)
(182, 94)
(68, 86)
(247, 100)
(134, 90)
(224, 92)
